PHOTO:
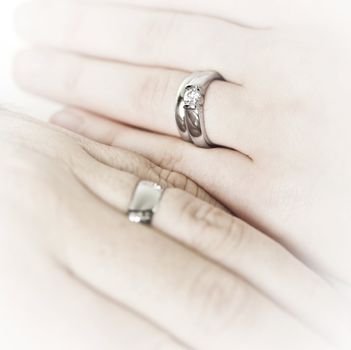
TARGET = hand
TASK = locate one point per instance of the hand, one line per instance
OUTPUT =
(285, 106)
(57, 189)
(82, 276)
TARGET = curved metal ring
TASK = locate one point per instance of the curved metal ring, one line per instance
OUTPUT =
(145, 201)
(190, 117)
(180, 111)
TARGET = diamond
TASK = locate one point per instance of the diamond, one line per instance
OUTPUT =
(192, 97)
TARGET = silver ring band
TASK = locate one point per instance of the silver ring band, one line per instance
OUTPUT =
(145, 201)
(189, 112)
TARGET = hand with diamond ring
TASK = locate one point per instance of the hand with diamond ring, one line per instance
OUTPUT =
(282, 115)
(76, 274)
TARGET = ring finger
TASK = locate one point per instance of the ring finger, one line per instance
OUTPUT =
(140, 96)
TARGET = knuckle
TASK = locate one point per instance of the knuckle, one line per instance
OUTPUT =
(172, 158)
(174, 179)
(199, 214)
(219, 298)
(166, 171)
(213, 229)
(155, 88)
(153, 173)
(169, 165)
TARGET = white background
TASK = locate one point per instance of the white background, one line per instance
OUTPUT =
(12, 97)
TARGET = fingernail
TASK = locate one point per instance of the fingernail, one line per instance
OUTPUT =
(68, 121)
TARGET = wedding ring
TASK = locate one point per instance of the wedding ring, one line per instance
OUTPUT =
(145, 201)
(189, 112)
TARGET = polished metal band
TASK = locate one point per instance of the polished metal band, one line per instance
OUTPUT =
(145, 201)
(189, 112)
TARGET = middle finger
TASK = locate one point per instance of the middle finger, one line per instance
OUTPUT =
(143, 36)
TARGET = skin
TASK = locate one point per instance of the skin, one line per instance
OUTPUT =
(197, 278)
(282, 114)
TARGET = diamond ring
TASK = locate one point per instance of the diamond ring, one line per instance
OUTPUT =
(189, 112)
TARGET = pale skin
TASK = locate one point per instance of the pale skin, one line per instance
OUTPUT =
(283, 112)
(76, 274)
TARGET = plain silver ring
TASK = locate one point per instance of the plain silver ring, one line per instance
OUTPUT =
(144, 203)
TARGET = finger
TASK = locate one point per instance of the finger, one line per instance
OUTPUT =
(253, 13)
(63, 312)
(174, 155)
(192, 298)
(229, 241)
(124, 167)
(149, 272)
(127, 170)
(139, 96)
(249, 13)
(157, 38)
(235, 245)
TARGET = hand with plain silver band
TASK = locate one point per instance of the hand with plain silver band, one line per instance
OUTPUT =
(186, 273)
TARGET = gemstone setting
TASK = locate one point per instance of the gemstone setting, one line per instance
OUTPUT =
(192, 97)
